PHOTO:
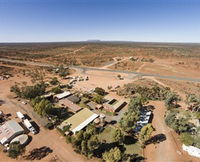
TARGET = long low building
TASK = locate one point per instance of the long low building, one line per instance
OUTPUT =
(9, 131)
(62, 95)
(70, 105)
(79, 121)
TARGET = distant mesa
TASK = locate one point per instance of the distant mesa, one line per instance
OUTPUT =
(95, 40)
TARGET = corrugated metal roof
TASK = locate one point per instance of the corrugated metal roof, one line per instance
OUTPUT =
(62, 95)
(70, 105)
(9, 129)
(79, 120)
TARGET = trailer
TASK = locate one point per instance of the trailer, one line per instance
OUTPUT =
(20, 115)
(29, 126)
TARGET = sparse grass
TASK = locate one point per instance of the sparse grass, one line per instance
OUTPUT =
(133, 148)
(107, 134)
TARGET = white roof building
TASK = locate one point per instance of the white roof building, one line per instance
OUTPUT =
(63, 95)
(9, 131)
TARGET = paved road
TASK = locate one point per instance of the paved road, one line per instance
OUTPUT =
(82, 68)
(137, 73)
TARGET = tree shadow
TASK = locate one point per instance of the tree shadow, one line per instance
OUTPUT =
(156, 139)
(133, 158)
(112, 122)
(129, 140)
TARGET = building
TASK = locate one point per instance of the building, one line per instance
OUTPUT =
(92, 105)
(79, 121)
(62, 95)
(70, 105)
(109, 99)
(9, 131)
(108, 107)
(112, 105)
(118, 106)
(74, 99)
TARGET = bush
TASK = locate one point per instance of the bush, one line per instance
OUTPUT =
(100, 91)
(187, 139)
(56, 90)
(54, 81)
(155, 92)
(49, 126)
(15, 149)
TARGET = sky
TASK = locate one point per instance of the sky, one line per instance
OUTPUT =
(110, 20)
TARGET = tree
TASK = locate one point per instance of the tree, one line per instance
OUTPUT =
(171, 100)
(128, 121)
(136, 103)
(43, 107)
(63, 71)
(54, 81)
(98, 99)
(56, 90)
(194, 102)
(15, 149)
(100, 91)
(114, 155)
(145, 133)
(93, 143)
(118, 136)
(16, 90)
(187, 139)
(30, 92)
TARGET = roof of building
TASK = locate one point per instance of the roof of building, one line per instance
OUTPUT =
(73, 98)
(79, 120)
(63, 95)
(22, 139)
(109, 98)
(118, 105)
(9, 129)
(73, 107)
(92, 104)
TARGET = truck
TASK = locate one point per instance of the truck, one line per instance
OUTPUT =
(20, 115)
(29, 126)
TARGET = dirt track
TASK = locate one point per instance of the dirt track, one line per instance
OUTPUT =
(169, 150)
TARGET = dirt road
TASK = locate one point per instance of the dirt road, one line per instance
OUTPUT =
(169, 150)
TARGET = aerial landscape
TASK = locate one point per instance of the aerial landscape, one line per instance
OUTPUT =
(68, 98)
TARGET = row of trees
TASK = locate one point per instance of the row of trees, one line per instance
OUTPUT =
(154, 92)
(128, 121)
(29, 92)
